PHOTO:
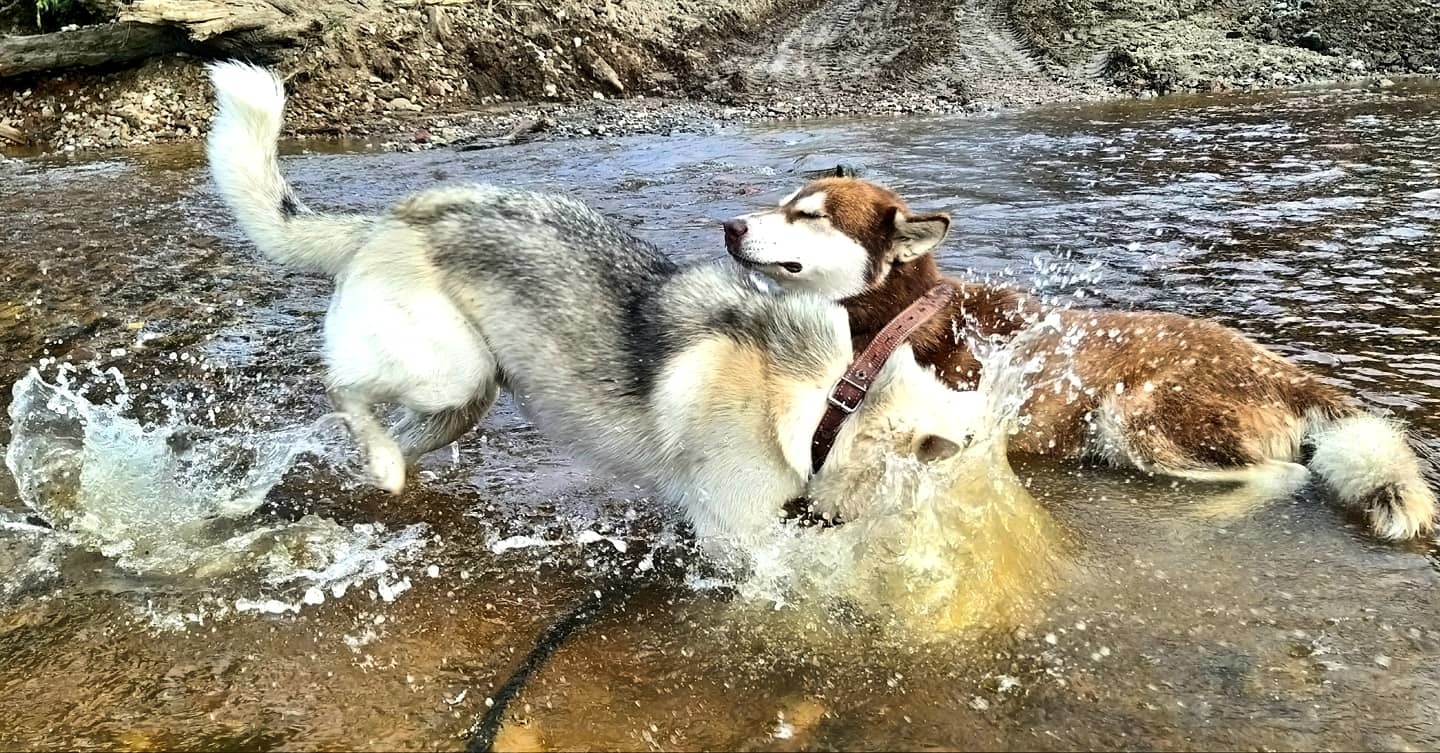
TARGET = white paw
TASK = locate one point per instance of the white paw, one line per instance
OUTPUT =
(387, 468)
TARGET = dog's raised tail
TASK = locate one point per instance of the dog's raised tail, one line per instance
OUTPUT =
(242, 154)
(1368, 463)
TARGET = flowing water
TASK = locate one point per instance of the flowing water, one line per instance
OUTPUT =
(197, 567)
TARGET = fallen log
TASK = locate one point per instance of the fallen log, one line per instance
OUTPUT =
(110, 44)
(277, 22)
(147, 28)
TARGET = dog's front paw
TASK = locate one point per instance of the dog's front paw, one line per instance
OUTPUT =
(387, 468)
(384, 462)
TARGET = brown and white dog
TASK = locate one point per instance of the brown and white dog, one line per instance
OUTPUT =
(1159, 392)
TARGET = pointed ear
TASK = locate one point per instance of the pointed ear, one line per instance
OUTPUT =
(918, 234)
(932, 448)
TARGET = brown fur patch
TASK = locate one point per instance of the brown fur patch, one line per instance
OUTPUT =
(733, 363)
(1186, 393)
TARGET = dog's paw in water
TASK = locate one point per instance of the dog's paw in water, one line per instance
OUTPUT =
(387, 467)
(384, 461)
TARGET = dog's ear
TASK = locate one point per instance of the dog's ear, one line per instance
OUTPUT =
(930, 448)
(918, 234)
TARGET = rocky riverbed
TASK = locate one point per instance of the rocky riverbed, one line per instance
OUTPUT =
(475, 74)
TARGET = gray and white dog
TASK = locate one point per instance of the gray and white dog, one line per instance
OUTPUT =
(691, 379)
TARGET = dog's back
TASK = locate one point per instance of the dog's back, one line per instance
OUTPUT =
(522, 263)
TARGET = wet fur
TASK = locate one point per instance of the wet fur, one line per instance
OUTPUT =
(1155, 391)
(691, 379)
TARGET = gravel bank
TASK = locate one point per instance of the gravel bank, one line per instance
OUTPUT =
(436, 72)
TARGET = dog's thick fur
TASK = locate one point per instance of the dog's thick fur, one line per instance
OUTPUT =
(694, 380)
(1155, 391)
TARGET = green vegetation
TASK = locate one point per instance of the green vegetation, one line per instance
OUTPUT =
(53, 8)
(55, 12)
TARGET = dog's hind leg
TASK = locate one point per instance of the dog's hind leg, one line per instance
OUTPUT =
(1258, 485)
(1202, 441)
(383, 457)
(419, 433)
(439, 411)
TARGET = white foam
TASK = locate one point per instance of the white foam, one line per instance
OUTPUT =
(531, 542)
(170, 501)
(266, 606)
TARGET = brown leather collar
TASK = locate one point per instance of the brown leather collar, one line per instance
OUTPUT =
(849, 392)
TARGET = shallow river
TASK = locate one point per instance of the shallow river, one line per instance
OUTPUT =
(1306, 219)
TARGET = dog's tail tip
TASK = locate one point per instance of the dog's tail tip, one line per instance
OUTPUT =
(241, 77)
(247, 85)
(1369, 464)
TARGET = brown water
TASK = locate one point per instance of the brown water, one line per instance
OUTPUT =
(1306, 219)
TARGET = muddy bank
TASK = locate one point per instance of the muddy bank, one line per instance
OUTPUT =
(479, 74)
(1149, 47)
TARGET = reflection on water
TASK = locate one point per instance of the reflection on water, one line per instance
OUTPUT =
(1306, 219)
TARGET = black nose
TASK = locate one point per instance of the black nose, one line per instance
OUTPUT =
(735, 231)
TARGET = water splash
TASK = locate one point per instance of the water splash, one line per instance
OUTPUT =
(944, 549)
(171, 500)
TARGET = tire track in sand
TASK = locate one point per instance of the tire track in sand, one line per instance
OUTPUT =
(920, 55)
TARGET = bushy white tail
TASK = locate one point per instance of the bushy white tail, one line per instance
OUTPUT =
(241, 150)
(1370, 466)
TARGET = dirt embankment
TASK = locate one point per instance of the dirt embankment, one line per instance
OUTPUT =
(1165, 46)
(479, 72)
(423, 70)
